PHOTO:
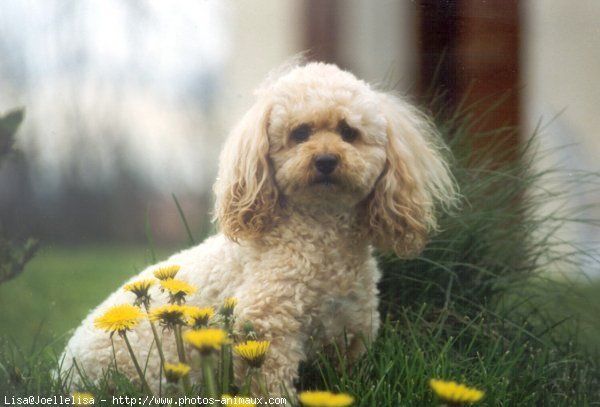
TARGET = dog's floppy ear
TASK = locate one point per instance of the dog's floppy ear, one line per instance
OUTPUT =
(246, 197)
(401, 210)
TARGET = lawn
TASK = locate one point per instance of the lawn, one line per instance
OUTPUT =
(60, 286)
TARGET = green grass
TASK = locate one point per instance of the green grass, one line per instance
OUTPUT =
(60, 286)
(512, 365)
(512, 362)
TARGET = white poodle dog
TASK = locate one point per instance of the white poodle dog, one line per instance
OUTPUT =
(319, 171)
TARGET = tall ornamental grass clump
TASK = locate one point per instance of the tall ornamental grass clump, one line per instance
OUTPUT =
(499, 238)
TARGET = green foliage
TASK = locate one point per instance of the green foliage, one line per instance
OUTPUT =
(13, 257)
(9, 124)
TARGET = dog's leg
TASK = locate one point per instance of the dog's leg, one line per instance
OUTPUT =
(282, 364)
(360, 337)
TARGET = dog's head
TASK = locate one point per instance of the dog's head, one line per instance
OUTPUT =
(319, 137)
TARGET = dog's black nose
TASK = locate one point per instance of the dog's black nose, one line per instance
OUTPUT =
(326, 163)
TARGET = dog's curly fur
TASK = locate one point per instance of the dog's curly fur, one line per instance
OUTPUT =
(321, 169)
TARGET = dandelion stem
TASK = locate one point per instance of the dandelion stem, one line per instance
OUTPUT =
(226, 369)
(245, 390)
(160, 353)
(228, 324)
(179, 343)
(209, 377)
(181, 354)
(135, 363)
(112, 344)
(155, 333)
(262, 385)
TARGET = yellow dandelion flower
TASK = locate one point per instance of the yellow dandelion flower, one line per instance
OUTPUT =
(140, 289)
(198, 317)
(167, 272)
(228, 306)
(169, 315)
(253, 352)
(177, 289)
(206, 340)
(177, 286)
(237, 401)
(119, 318)
(175, 371)
(325, 399)
(455, 393)
(82, 399)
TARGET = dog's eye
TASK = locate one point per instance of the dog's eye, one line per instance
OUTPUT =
(349, 134)
(301, 133)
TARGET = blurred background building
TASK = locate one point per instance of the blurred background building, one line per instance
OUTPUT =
(128, 102)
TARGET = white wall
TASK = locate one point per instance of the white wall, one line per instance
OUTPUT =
(379, 41)
(561, 58)
(265, 33)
